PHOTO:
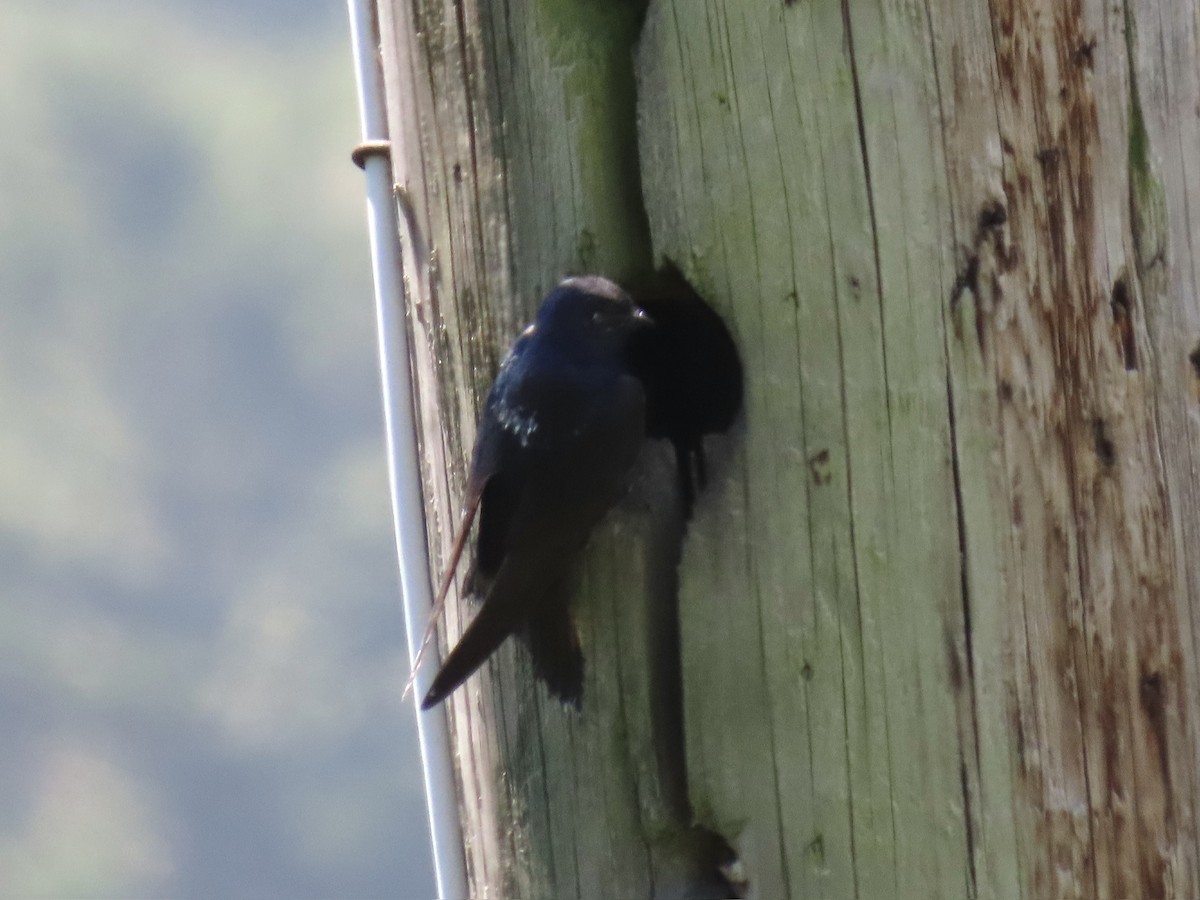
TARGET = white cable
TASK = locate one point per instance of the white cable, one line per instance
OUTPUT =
(404, 474)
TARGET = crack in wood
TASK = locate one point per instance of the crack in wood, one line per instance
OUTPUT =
(989, 233)
(956, 673)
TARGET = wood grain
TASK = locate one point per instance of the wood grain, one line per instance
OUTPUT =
(939, 607)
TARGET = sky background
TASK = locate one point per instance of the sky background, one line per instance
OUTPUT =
(201, 645)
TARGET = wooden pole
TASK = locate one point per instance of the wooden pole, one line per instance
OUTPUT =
(937, 608)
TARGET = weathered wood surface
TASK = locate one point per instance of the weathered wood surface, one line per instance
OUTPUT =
(516, 153)
(939, 605)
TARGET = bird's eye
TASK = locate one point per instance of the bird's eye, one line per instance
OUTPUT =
(597, 317)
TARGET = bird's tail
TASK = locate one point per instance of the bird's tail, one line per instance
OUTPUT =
(487, 631)
(548, 632)
(553, 643)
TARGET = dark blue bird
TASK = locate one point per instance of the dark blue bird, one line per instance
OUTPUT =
(560, 431)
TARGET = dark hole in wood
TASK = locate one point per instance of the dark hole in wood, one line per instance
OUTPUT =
(1085, 53)
(1106, 451)
(992, 215)
(1049, 156)
(1122, 311)
(1152, 691)
(1151, 688)
(818, 467)
(967, 279)
(690, 368)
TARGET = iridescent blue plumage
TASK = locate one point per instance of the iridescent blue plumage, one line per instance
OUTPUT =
(561, 428)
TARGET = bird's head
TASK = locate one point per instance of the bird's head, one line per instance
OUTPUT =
(592, 311)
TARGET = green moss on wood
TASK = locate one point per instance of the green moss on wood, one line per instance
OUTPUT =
(590, 44)
(1147, 198)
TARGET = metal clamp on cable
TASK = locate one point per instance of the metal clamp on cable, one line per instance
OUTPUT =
(370, 148)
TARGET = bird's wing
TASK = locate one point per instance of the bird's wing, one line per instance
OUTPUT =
(491, 448)
(435, 612)
(539, 481)
(491, 625)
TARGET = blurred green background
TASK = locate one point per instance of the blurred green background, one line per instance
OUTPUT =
(201, 646)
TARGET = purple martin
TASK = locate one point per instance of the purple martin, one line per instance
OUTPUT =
(560, 430)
